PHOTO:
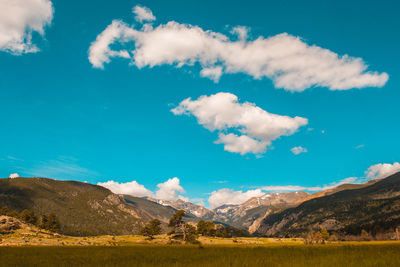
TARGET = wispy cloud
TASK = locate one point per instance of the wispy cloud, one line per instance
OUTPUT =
(288, 188)
(61, 168)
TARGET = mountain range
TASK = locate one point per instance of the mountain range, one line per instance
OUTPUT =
(86, 209)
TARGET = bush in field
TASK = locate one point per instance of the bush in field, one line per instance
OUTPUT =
(4, 210)
(7, 212)
(28, 216)
(50, 223)
(151, 229)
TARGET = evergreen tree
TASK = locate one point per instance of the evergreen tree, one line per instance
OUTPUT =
(206, 228)
(325, 234)
(50, 223)
(177, 223)
(151, 229)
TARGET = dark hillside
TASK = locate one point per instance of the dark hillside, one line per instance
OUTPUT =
(374, 208)
(83, 209)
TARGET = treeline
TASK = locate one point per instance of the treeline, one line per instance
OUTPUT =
(180, 230)
(48, 222)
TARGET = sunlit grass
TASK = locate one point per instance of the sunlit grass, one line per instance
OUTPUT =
(268, 254)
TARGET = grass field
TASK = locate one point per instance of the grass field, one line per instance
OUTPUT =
(357, 254)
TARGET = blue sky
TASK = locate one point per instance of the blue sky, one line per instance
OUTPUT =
(62, 117)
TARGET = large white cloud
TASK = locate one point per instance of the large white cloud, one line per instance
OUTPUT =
(169, 190)
(130, 188)
(382, 170)
(290, 62)
(19, 19)
(229, 196)
(223, 112)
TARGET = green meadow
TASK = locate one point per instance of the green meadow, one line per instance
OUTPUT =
(350, 254)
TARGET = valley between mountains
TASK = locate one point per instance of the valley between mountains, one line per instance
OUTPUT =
(89, 210)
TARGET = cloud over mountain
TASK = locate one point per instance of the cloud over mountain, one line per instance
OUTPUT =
(229, 196)
(129, 188)
(243, 127)
(167, 190)
(382, 170)
(287, 60)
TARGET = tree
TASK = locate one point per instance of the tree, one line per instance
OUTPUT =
(206, 228)
(364, 235)
(50, 222)
(28, 216)
(190, 233)
(177, 223)
(44, 222)
(309, 236)
(318, 237)
(151, 229)
(324, 234)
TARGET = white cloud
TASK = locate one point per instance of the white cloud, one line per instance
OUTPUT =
(290, 62)
(100, 52)
(13, 175)
(241, 32)
(19, 19)
(169, 190)
(360, 146)
(241, 144)
(223, 112)
(229, 196)
(214, 73)
(130, 188)
(143, 13)
(382, 170)
(298, 150)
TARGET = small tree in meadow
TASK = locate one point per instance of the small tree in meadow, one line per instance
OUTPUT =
(179, 226)
(324, 234)
(206, 228)
(318, 237)
(191, 233)
(176, 222)
(364, 235)
(151, 229)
